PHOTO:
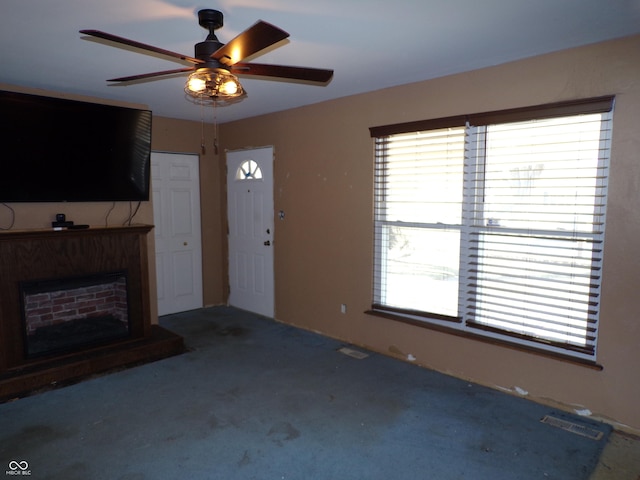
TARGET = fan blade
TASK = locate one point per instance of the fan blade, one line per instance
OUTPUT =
(133, 43)
(316, 75)
(252, 40)
(150, 75)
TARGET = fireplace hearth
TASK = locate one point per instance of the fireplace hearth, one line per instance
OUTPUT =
(75, 335)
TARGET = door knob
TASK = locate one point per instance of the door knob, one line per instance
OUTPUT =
(267, 243)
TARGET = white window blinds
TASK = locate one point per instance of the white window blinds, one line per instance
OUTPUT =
(536, 208)
(497, 226)
(419, 180)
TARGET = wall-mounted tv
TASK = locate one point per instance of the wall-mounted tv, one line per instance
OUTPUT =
(59, 150)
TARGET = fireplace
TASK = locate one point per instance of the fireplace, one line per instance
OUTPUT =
(69, 314)
(75, 303)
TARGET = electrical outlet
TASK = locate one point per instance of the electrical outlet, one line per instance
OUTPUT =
(343, 308)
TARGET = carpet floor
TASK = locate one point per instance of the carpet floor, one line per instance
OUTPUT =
(256, 399)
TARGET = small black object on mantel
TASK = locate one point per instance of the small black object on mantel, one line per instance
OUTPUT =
(61, 221)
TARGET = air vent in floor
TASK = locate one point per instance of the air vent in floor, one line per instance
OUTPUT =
(572, 427)
(353, 353)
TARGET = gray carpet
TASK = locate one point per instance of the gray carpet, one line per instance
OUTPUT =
(255, 399)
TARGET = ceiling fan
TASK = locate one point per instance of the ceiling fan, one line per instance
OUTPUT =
(215, 64)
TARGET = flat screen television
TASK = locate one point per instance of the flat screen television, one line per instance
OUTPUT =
(59, 150)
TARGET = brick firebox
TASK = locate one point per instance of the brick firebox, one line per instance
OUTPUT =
(57, 301)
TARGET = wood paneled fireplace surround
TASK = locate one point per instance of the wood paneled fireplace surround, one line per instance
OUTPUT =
(74, 303)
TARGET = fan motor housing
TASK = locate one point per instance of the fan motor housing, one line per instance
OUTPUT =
(203, 51)
(210, 19)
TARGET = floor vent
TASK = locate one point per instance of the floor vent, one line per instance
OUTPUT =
(353, 353)
(572, 427)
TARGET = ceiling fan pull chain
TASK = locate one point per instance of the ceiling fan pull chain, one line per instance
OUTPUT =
(202, 146)
(215, 128)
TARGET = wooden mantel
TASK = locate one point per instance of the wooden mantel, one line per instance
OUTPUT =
(27, 255)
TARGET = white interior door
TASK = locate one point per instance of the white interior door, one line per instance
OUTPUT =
(250, 214)
(176, 213)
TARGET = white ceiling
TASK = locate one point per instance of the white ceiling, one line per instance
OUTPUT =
(371, 44)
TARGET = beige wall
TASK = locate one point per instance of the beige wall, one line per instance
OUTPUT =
(323, 247)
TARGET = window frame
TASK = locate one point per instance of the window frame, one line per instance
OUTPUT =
(455, 325)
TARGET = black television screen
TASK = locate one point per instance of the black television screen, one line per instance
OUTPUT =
(58, 150)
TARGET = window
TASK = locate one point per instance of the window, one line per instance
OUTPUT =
(493, 224)
(249, 170)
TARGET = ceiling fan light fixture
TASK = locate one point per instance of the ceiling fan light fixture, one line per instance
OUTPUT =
(213, 84)
(229, 87)
(196, 84)
(211, 80)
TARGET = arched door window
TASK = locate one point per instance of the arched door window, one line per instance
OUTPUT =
(249, 170)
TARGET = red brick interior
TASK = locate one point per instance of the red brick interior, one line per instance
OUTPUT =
(52, 308)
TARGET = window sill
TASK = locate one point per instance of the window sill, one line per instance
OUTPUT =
(493, 341)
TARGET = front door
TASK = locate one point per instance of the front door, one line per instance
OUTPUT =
(176, 213)
(250, 214)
